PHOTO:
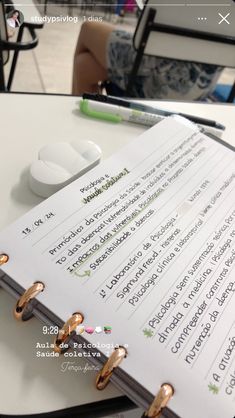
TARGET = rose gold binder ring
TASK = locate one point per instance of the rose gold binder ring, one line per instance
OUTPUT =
(24, 307)
(66, 332)
(106, 372)
(161, 400)
(3, 259)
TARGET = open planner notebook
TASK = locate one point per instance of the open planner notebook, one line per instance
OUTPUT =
(144, 245)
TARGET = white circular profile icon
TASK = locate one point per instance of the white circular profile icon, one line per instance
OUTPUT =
(14, 19)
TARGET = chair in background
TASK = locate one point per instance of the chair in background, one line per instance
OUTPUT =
(4, 54)
(110, 8)
(224, 93)
(69, 4)
(86, 5)
(6, 46)
(96, 5)
(173, 34)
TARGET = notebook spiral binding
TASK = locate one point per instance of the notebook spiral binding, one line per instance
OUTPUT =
(23, 311)
(3, 259)
(24, 308)
(65, 333)
(161, 400)
(106, 372)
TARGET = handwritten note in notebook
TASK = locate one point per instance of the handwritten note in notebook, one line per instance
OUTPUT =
(145, 243)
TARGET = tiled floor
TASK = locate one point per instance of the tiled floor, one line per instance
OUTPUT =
(48, 68)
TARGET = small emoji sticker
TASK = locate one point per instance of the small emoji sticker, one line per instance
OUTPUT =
(98, 330)
(80, 329)
(107, 329)
(89, 330)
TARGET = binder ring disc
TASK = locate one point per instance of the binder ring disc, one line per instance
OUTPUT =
(3, 259)
(23, 309)
(64, 333)
(106, 372)
(161, 400)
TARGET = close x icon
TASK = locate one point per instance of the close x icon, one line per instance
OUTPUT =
(224, 18)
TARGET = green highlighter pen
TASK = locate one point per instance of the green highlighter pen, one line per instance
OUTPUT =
(116, 114)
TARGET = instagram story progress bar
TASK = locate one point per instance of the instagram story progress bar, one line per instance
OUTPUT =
(139, 3)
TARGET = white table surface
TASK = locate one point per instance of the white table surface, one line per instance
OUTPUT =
(28, 122)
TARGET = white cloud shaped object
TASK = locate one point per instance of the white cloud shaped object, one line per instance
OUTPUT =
(61, 163)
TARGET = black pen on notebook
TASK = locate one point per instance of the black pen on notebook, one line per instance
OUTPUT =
(110, 100)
